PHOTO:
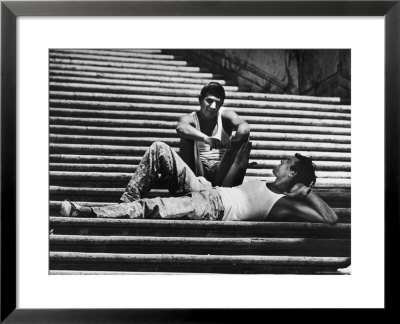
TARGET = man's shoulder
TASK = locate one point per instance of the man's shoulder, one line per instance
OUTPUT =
(228, 113)
(188, 117)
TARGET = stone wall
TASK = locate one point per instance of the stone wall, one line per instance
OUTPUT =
(325, 72)
(308, 72)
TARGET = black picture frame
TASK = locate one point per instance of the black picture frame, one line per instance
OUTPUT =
(10, 10)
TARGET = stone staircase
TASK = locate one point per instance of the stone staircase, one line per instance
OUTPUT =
(108, 106)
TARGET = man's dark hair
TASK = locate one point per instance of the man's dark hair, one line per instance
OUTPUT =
(214, 89)
(305, 169)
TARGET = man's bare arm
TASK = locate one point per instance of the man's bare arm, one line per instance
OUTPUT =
(241, 127)
(187, 129)
(309, 207)
(327, 213)
(239, 166)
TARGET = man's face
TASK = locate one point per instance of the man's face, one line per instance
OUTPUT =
(210, 105)
(283, 171)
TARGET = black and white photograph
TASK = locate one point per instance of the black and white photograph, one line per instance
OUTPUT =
(197, 159)
(212, 161)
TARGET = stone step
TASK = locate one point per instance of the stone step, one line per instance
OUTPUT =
(120, 117)
(295, 107)
(200, 245)
(121, 79)
(119, 95)
(174, 142)
(112, 122)
(113, 179)
(129, 273)
(153, 51)
(121, 63)
(283, 117)
(117, 58)
(139, 151)
(90, 123)
(143, 69)
(134, 50)
(171, 133)
(335, 197)
(130, 161)
(121, 179)
(182, 77)
(190, 77)
(130, 74)
(115, 52)
(129, 169)
(80, 107)
(126, 273)
(194, 263)
(110, 88)
(344, 215)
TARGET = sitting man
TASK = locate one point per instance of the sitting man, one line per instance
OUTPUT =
(289, 195)
(206, 134)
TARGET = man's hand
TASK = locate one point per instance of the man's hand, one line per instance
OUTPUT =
(299, 191)
(236, 141)
(215, 143)
(243, 155)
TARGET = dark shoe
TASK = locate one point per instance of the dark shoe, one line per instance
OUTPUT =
(69, 209)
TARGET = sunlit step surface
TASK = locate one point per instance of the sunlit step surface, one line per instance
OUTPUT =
(134, 74)
(113, 110)
(140, 150)
(192, 228)
(295, 107)
(171, 133)
(121, 95)
(99, 162)
(174, 142)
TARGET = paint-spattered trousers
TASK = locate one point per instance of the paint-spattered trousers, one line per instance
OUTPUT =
(198, 200)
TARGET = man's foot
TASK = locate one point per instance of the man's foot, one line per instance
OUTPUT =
(69, 209)
(345, 271)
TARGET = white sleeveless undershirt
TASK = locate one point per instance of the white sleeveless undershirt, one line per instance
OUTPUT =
(251, 201)
(214, 155)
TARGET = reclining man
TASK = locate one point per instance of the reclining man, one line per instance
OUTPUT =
(207, 133)
(289, 195)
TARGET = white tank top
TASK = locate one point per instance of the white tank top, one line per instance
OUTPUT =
(251, 201)
(214, 155)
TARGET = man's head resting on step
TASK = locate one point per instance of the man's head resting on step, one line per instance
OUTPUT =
(211, 99)
(296, 169)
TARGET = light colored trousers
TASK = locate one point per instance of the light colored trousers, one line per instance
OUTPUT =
(197, 199)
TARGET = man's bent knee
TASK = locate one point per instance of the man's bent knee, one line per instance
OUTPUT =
(159, 145)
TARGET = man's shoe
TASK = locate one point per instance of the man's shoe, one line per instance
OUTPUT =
(69, 209)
